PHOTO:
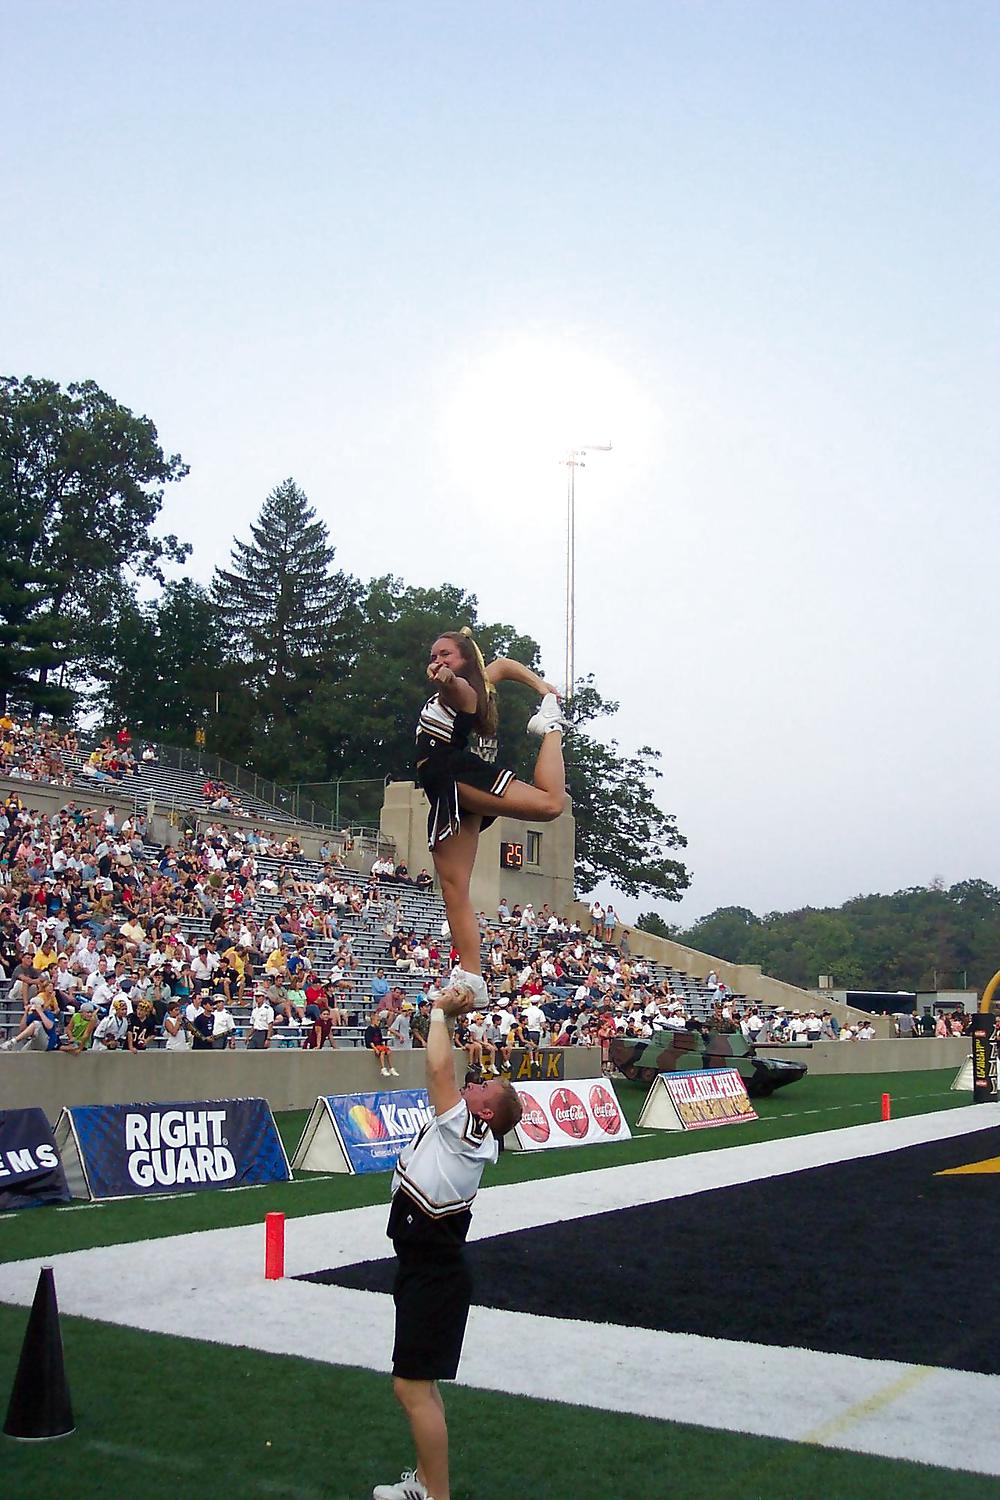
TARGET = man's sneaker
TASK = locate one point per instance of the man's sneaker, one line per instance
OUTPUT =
(8, 1045)
(547, 717)
(393, 1072)
(386, 1073)
(408, 1488)
(461, 979)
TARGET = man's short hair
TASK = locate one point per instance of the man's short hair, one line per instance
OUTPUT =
(508, 1111)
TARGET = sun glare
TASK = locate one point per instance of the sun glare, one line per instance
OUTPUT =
(515, 411)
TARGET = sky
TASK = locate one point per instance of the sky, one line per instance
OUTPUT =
(412, 254)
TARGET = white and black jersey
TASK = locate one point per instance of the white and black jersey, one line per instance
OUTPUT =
(444, 758)
(437, 1177)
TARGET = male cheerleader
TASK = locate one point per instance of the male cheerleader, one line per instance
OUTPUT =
(436, 1179)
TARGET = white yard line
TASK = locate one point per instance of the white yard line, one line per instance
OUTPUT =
(210, 1286)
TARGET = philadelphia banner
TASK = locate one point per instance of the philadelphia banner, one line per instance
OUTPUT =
(128, 1150)
(30, 1171)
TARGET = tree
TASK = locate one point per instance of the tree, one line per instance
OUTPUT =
(159, 666)
(288, 617)
(82, 480)
(621, 834)
(362, 721)
(652, 922)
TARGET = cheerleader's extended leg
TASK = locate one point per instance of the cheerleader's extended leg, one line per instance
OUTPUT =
(542, 802)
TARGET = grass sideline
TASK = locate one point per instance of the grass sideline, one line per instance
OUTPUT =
(823, 1102)
(176, 1419)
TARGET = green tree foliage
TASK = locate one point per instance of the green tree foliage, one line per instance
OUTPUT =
(281, 599)
(621, 834)
(81, 485)
(361, 722)
(653, 923)
(916, 939)
(158, 667)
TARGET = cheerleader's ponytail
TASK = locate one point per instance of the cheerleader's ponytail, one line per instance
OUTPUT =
(486, 693)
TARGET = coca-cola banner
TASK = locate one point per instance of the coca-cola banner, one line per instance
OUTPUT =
(583, 1112)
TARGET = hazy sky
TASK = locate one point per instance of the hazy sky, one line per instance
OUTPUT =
(409, 254)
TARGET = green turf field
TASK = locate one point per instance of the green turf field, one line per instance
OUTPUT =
(173, 1419)
(176, 1418)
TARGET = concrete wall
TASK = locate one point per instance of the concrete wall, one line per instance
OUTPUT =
(287, 1079)
(896, 1056)
(404, 821)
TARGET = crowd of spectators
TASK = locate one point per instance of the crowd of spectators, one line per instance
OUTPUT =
(94, 935)
(97, 940)
(31, 752)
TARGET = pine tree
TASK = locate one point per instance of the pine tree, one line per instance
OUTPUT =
(288, 617)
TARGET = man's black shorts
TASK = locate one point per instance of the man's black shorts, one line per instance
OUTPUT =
(432, 1293)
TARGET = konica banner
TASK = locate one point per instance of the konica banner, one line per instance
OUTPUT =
(581, 1113)
(361, 1132)
(30, 1170)
(127, 1150)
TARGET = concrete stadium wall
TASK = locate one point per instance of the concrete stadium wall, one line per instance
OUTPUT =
(897, 1056)
(286, 1078)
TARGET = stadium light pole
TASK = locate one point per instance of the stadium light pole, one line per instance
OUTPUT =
(573, 461)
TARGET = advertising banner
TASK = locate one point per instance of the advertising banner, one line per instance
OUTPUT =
(30, 1170)
(697, 1100)
(582, 1113)
(361, 1132)
(984, 1079)
(129, 1150)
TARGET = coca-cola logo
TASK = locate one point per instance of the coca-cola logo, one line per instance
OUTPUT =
(604, 1108)
(569, 1113)
(533, 1121)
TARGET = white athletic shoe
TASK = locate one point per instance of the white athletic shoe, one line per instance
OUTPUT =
(7, 1046)
(393, 1072)
(408, 1488)
(548, 716)
(386, 1073)
(461, 979)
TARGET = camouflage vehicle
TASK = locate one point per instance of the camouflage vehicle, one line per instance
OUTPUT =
(682, 1051)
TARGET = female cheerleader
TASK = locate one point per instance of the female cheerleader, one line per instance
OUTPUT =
(466, 792)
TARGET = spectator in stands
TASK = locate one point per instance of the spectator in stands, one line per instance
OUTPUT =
(43, 1030)
(110, 1033)
(610, 923)
(399, 1027)
(202, 1022)
(376, 1042)
(420, 1023)
(81, 1026)
(261, 1025)
(175, 1029)
(223, 1027)
(142, 1027)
